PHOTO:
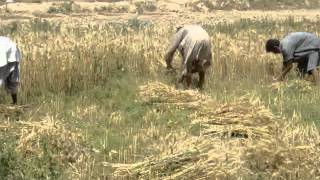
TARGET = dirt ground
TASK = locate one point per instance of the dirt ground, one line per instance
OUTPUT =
(173, 12)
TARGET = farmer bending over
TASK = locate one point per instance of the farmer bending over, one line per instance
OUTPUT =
(299, 47)
(9, 66)
(193, 43)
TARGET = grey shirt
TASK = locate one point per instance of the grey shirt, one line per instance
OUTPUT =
(193, 42)
(299, 44)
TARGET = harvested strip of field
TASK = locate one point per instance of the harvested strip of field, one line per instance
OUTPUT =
(238, 140)
(297, 85)
(48, 140)
(12, 111)
(161, 94)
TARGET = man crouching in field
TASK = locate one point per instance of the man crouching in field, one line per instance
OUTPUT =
(194, 45)
(9, 66)
(299, 47)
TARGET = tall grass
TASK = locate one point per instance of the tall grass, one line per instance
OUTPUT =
(74, 56)
(85, 74)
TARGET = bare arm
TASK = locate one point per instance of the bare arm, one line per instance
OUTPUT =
(315, 74)
(174, 44)
(287, 66)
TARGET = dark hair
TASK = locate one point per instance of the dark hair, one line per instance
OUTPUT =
(271, 45)
(178, 28)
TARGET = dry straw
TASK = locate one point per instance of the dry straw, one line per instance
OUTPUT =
(239, 140)
(66, 148)
(13, 111)
(161, 94)
(296, 85)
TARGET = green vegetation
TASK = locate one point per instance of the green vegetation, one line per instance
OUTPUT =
(64, 8)
(111, 8)
(211, 5)
(81, 79)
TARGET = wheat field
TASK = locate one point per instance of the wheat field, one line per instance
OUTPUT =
(96, 102)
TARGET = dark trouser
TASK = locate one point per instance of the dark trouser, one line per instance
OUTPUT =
(307, 63)
(302, 69)
(10, 78)
(195, 67)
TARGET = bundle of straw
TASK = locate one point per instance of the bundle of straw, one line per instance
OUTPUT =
(239, 140)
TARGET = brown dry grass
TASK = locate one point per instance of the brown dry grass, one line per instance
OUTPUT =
(167, 11)
(67, 148)
(237, 140)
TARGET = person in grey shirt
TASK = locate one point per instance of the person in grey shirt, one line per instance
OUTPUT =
(299, 47)
(9, 66)
(193, 43)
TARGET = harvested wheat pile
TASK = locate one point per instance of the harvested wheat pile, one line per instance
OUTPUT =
(40, 138)
(240, 140)
(13, 111)
(296, 85)
(157, 93)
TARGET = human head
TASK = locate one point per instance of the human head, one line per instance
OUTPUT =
(178, 28)
(273, 45)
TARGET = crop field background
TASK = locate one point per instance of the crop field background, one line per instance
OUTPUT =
(96, 102)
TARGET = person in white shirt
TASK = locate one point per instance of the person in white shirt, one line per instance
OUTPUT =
(10, 58)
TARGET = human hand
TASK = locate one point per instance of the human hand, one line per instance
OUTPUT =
(171, 69)
(278, 79)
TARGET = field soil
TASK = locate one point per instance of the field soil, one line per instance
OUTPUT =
(174, 12)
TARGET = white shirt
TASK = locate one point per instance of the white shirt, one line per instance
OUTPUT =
(8, 51)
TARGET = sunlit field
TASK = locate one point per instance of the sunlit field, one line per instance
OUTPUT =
(96, 99)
